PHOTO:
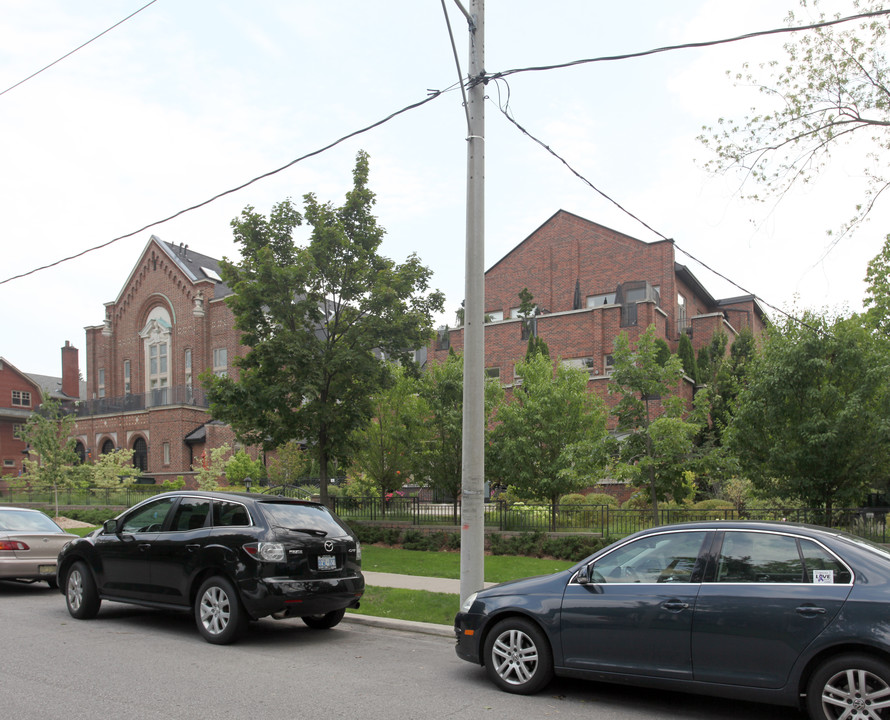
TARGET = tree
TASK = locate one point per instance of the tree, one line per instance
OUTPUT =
(551, 438)
(687, 357)
(831, 88)
(813, 422)
(317, 320)
(240, 466)
(51, 459)
(114, 469)
(877, 298)
(384, 447)
(439, 456)
(657, 445)
(212, 467)
(289, 463)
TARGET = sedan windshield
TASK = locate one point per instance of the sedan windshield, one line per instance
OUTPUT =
(22, 521)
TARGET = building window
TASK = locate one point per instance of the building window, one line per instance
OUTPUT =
(166, 453)
(493, 372)
(494, 316)
(188, 369)
(107, 447)
(100, 383)
(140, 454)
(515, 312)
(220, 362)
(127, 386)
(21, 398)
(80, 451)
(682, 322)
(8, 463)
(17, 430)
(601, 299)
(584, 363)
(156, 336)
(608, 364)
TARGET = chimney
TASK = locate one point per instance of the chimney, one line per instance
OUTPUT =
(70, 371)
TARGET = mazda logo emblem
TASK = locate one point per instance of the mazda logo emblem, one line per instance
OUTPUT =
(328, 545)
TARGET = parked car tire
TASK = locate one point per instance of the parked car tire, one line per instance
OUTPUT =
(218, 612)
(847, 683)
(323, 622)
(80, 592)
(518, 657)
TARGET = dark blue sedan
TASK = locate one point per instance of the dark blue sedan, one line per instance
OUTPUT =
(771, 612)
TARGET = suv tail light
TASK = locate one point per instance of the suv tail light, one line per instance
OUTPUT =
(265, 551)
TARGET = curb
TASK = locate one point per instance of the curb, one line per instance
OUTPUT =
(422, 628)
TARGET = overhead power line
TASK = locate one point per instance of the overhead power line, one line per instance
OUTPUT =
(79, 47)
(433, 94)
(508, 114)
(690, 46)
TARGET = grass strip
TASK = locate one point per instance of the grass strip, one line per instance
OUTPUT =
(498, 568)
(415, 605)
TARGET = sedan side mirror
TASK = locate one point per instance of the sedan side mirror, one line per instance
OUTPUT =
(584, 574)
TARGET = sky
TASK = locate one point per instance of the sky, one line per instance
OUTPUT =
(188, 99)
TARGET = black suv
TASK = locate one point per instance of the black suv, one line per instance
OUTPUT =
(227, 557)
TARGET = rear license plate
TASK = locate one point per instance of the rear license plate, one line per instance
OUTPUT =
(46, 569)
(327, 562)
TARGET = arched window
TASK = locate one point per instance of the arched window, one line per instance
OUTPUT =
(80, 451)
(156, 337)
(107, 446)
(140, 454)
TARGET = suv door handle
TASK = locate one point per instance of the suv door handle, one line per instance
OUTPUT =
(144, 547)
(193, 547)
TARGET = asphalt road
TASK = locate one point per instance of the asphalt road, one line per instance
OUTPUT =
(147, 665)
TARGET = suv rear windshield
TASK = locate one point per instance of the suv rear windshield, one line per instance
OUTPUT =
(314, 519)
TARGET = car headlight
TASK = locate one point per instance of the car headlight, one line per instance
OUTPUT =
(468, 603)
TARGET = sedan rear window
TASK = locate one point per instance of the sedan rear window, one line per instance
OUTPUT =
(310, 519)
(19, 521)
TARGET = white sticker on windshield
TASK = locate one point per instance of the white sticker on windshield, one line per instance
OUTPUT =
(823, 577)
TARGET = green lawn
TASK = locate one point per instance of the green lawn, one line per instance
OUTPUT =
(498, 568)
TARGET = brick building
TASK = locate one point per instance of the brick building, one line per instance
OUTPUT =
(590, 283)
(168, 324)
(20, 396)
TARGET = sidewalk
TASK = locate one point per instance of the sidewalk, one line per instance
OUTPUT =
(409, 582)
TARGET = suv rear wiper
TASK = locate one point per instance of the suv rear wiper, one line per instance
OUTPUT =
(308, 531)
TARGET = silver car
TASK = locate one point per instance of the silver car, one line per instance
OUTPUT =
(29, 545)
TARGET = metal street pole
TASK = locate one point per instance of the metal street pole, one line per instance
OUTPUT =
(472, 538)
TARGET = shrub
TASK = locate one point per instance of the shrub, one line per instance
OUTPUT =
(601, 499)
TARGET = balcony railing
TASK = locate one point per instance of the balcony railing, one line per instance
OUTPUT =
(161, 397)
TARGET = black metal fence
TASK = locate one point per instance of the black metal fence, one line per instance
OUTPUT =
(99, 497)
(867, 522)
(160, 397)
(599, 519)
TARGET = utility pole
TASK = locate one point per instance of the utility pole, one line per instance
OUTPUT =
(472, 513)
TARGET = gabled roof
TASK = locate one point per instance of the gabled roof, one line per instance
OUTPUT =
(195, 266)
(584, 220)
(6, 365)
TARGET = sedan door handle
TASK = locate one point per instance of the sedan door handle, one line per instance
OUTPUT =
(810, 610)
(675, 605)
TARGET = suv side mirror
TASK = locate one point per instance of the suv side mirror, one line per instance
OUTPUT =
(109, 527)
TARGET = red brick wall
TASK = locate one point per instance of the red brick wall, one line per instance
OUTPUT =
(158, 281)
